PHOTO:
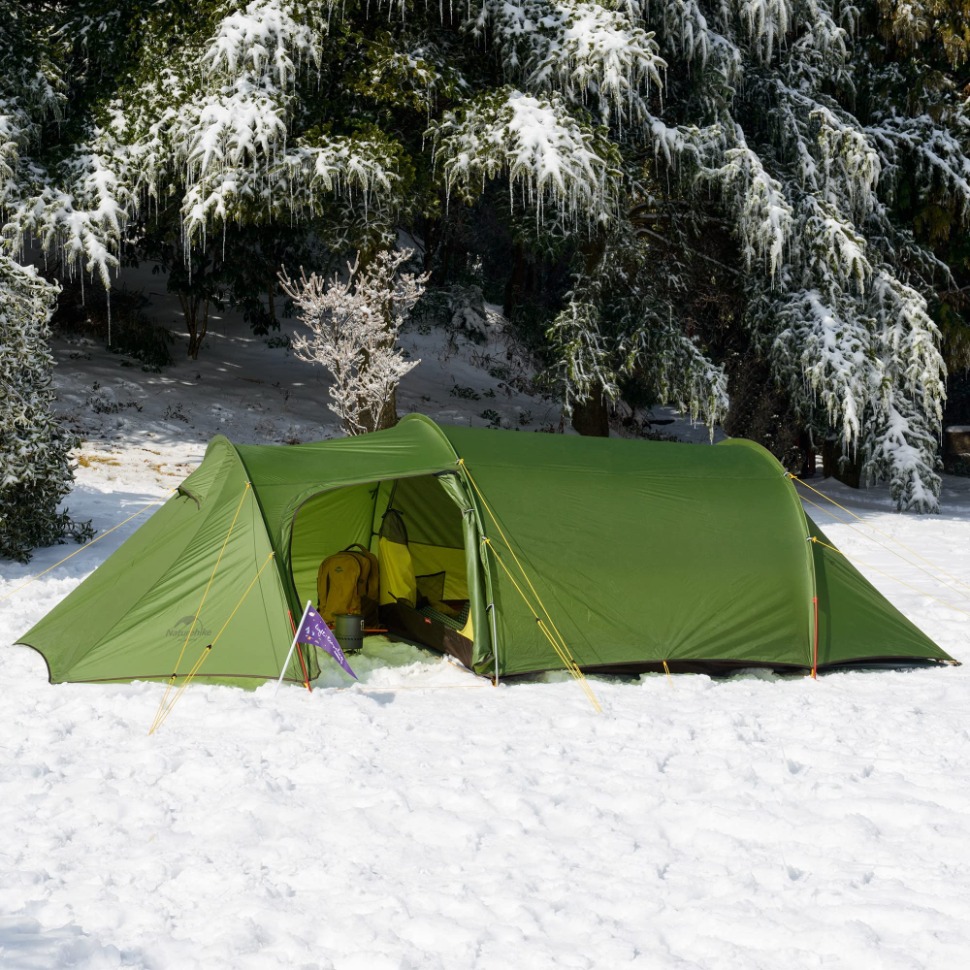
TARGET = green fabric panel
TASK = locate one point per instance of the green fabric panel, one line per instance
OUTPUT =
(249, 629)
(67, 634)
(130, 618)
(325, 524)
(856, 622)
(285, 477)
(430, 516)
(434, 559)
(479, 580)
(220, 456)
(642, 551)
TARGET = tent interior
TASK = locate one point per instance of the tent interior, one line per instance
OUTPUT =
(424, 579)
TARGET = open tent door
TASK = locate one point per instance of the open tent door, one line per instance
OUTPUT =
(426, 540)
(324, 524)
(426, 548)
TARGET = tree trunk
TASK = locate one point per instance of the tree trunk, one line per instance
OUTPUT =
(196, 321)
(591, 416)
(386, 419)
(516, 284)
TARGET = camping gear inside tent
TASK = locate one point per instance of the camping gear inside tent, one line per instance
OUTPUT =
(515, 552)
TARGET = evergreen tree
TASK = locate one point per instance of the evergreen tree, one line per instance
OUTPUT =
(633, 135)
(35, 469)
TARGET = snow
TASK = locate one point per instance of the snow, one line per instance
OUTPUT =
(425, 819)
(549, 156)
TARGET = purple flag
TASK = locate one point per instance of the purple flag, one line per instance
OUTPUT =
(315, 631)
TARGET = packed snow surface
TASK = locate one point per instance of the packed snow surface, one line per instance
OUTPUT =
(425, 819)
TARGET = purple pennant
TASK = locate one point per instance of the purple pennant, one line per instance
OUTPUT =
(314, 630)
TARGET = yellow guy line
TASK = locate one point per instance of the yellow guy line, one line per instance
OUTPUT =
(87, 545)
(560, 647)
(940, 571)
(932, 576)
(206, 650)
(902, 582)
(195, 619)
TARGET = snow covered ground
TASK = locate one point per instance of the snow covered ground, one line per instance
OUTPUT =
(425, 819)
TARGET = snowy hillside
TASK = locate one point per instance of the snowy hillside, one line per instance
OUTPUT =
(422, 818)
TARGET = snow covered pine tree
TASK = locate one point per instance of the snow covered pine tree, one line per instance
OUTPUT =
(756, 130)
(35, 469)
(774, 121)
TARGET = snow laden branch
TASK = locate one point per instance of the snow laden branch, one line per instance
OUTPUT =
(938, 155)
(682, 375)
(212, 125)
(28, 96)
(27, 100)
(585, 357)
(596, 54)
(610, 331)
(79, 213)
(15, 133)
(354, 324)
(549, 157)
(758, 203)
(590, 53)
(226, 122)
(269, 42)
(834, 159)
(766, 22)
(910, 402)
(873, 363)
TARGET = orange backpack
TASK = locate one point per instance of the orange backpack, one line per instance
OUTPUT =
(348, 582)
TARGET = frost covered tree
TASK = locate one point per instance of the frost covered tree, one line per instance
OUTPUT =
(213, 111)
(354, 323)
(35, 468)
(750, 113)
(612, 138)
(35, 464)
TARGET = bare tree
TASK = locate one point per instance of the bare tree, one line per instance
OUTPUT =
(353, 327)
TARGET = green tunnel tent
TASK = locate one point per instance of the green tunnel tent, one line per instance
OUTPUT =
(627, 554)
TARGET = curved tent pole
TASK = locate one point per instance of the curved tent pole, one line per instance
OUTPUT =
(789, 486)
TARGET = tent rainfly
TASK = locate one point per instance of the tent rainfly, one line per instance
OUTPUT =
(527, 550)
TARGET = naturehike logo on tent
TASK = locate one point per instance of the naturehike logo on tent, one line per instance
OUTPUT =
(182, 627)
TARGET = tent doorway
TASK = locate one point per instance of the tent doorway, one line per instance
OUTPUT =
(420, 532)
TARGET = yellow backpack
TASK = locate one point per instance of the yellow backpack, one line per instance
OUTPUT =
(348, 582)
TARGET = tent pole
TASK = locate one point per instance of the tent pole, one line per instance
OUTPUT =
(815, 639)
(810, 539)
(490, 609)
(286, 662)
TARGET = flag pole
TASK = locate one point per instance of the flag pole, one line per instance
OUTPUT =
(286, 662)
